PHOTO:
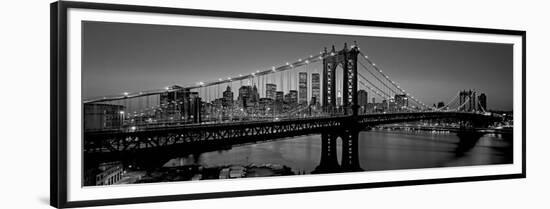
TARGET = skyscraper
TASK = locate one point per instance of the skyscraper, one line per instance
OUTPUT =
(293, 97)
(254, 95)
(270, 89)
(279, 98)
(244, 95)
(195, 111)
(401, 101)
(482, 98)
(362, 98)
(227, 97)
(302, 87)
(171, 102)
(315, 87)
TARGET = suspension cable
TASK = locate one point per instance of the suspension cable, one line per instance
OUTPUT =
(392, 82)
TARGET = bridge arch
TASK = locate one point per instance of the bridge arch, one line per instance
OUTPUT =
(347, 60)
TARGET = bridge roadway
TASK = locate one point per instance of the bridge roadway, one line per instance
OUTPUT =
(450, 129)
(193, 136)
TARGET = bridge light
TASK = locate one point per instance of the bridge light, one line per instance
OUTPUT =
(228, 78)
(219, 79)
(299, 60)
(125, 93)
(366, 56)
(373, 64)
(257, 71)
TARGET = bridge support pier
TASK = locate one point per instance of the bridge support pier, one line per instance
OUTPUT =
(350, 151)
(329, 159)
(467, 140)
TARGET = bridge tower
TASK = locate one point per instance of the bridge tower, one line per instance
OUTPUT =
(347, 59)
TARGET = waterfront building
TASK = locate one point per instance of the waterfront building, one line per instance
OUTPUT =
(171, 102)
(103, 116)
(108, 173)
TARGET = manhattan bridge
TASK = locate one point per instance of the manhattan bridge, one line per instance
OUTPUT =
(333, 93)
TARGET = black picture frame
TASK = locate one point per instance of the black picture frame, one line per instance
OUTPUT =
(59, 99)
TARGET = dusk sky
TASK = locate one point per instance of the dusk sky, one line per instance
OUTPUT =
(120, 57)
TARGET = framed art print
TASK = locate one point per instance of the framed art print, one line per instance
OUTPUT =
(161, 104)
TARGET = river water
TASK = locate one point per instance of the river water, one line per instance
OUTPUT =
(378, 150)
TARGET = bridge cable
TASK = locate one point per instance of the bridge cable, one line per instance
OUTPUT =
(391, 81)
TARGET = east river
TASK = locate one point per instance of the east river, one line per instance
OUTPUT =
(378, 150)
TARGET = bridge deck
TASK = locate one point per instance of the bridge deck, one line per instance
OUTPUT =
(249, 131)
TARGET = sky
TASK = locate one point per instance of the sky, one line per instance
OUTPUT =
(122, 57)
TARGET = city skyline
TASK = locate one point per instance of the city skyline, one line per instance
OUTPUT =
(188, 99)
(432, 70)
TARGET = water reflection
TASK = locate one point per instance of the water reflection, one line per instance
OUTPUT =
(328, 152)
(362, 151)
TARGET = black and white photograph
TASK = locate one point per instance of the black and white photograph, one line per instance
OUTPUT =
(275, 104)
(157, 104)
(166, 103)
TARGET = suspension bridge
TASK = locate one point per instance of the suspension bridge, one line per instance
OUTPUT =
(333, 90)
